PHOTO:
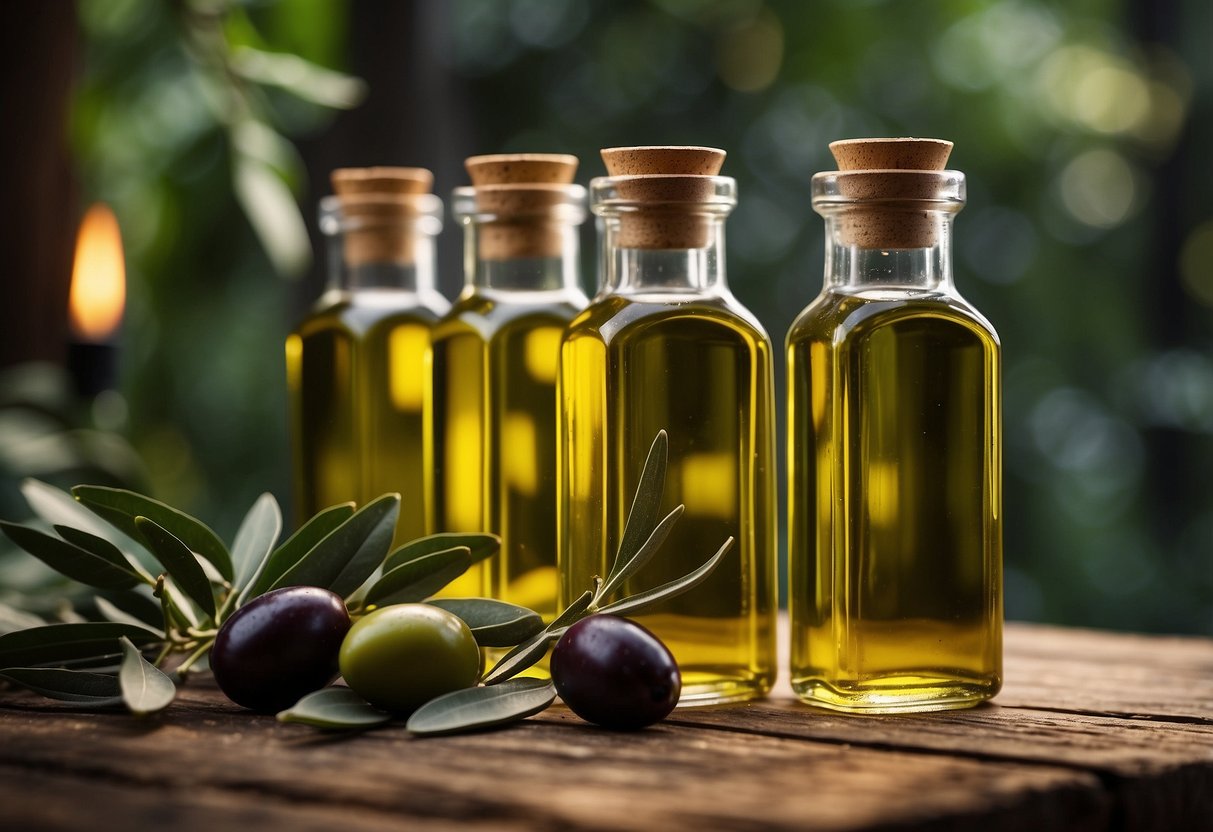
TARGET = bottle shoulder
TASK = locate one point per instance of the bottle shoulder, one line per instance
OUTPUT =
(489, 314)
(362, 309)
(616, 317)
(835, 316)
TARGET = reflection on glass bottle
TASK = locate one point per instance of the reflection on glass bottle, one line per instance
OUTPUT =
(665, 345)
(894, 449)
(495, 357)
(358, 365)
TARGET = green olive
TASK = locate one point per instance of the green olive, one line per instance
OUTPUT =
(402, 656)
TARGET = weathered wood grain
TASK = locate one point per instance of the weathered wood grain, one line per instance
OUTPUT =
(556, 774)
(1149, 677)
(1073, 743)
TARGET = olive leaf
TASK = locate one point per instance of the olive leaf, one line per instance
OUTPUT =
(335, 709)
(646, 504)
(179, 562)
(101, 546)
(646, 600)
(493, 623)
(350, 553)
(533, 649)
(483, 707)
(101, 566)
(120, 507)
(294, 549)
(418, 579)
(642, 556)
(255, 538)
(479, 546)
(58, 508)
(12, 619)
(111, 612)
(145, 690)
(60, 643)
(82, 687)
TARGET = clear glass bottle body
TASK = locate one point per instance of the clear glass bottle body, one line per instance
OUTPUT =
(357, 370)
(895, 472)
(665, 345)
(494, 393)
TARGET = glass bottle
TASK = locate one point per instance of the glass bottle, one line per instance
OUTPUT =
(894, 449)
(665, 345)
(495, 357)
(358, 365)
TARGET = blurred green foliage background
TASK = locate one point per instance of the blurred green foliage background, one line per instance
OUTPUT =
(210, 125)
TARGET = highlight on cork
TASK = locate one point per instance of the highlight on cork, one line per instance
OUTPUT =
(522, 200)
(379, 208)
(887, 182)
(668, 187)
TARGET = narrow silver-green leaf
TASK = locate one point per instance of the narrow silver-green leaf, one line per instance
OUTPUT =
(177, 559)
(476, 709)
(525, 655)
(644, 554)
(59, 643)
(335, 709)
(479, 546)
(102, 568)
(12, 619)
(536, 647)
(419, 579)
(111, 612)
(573, 611)
(295, 547)
(646, 504)
(493, 623)
(58, 508)
(82, 687)
(145, 690)
(349, 554)
(103, 547)
(646, 600)
(255, 538)
(121, 507)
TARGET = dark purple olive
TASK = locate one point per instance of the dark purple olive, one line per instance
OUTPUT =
(615, 673)
(279, 647)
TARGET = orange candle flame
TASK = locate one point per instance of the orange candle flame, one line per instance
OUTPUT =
(98, 293)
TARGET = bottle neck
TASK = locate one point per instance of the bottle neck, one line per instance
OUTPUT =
(692, 271)
(414, 275)
(849, 265)
(554, 266)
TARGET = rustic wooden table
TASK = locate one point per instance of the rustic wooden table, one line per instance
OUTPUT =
(1093, 731)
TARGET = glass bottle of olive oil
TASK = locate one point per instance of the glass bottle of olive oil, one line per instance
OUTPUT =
(494, 375)
(358, 365)
(894, 449)
(666, 345)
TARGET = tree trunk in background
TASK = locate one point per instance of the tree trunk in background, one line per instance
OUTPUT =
(413, 116)
(37, 192)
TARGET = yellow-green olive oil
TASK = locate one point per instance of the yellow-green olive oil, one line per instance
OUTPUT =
(494, 376)
(701, 371)
(894, 519)
(357, 373)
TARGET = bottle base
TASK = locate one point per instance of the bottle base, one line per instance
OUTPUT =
(700, 688)
(896, 694)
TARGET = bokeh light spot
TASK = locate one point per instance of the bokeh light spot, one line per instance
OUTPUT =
(1098, 188)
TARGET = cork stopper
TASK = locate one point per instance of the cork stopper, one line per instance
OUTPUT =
(523, 194)
(379, 208)
(522, 168)
(891, 154)
(670, 185)
(886, 177)
(382, 180)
